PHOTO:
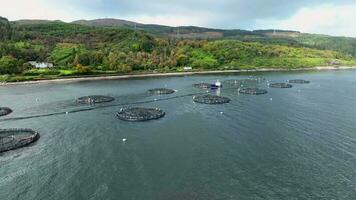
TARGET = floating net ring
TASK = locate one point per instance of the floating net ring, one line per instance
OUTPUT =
(252, 91)
(140, 114)
(202, 85)
(280, 85)
(299, 81)
(5, 111)
(251, 79)
(160, 91)
(11, 139)
(257, 78)
(95, 99)
(210, 99)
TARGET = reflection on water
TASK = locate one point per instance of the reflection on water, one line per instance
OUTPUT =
(299, 145)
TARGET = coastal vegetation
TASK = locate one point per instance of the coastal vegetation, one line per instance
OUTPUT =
(80, 49)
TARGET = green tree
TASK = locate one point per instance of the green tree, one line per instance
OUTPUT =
(5, 29)
(9, 65)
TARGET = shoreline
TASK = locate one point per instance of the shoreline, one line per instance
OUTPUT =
(168, 74)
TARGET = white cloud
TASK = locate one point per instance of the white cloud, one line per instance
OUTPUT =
(325, 19)
(333, 19)
(34, 9)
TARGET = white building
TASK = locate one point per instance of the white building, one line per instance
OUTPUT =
(41, 65)
(187, 68)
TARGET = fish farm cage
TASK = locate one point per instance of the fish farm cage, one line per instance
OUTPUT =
(11, 139)
(280, 85)
(160, 91)
(210, 99)
(252, 91)
(135, 114)
(93, 99)
(5, 111)
(202, 85)
(299, 81)
(248, 81)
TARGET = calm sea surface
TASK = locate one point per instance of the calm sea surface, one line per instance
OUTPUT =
(297, 143)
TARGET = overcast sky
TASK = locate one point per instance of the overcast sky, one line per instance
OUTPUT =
(333, 17)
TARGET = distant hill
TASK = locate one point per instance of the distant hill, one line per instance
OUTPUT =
(283, 37)
(182, 31)
(104, 22)
(185, 31)
(119, 46)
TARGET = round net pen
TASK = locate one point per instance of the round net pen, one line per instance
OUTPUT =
(5, 111)
(11, 139)
(160, 91)
(136, 114)
(93, 99)
(280, 85)
(210, 99)
(252, 91)
(299, 81)
(202, 85)
(250, 82)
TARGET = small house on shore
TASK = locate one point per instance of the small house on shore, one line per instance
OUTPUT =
(41, 65)
(187, 68)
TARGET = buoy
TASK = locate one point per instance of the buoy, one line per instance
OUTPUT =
(218, 84)
(124, 139)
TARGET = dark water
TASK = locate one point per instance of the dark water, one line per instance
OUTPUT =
(297, 143)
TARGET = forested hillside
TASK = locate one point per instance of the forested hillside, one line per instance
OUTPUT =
(81, 49)
(291, 38)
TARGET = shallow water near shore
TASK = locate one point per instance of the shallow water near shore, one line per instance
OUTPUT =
(296, 143)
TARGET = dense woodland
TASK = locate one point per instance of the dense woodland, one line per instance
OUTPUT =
(80, 49)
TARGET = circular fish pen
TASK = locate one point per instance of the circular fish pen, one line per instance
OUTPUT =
(280, 85)
(210, 99)
(250, 82)
(94, 99)
(252, 91)
(299, 81)
(135, 114)
(11, 139)
(202, 85)
(5, 111)
(160, 91)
